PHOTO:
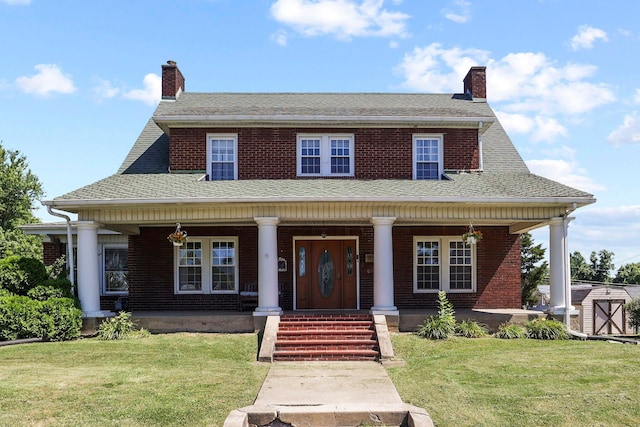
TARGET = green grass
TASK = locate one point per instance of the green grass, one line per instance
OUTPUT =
(492, 382)
(163, 380)
(197, 379)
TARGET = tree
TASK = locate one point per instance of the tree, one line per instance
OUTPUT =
(628, 273)
(532, 272)
(19, 190)
(598, 269)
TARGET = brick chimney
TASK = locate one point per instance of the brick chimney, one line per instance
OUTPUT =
(172, 80)
(475, 83)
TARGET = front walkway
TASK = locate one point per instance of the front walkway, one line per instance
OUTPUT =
(328, 394)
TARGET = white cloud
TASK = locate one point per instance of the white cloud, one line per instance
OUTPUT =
(342, 18)
(280, 37)
(628, 132)
(150, 93)
(586, 36)
(48, 80)
(394, 44)
(533, 94)
(15, 2)
(104, 90)
(436, 69)
(565, 172)
(636, 98)
(548, 129)
(462, 16)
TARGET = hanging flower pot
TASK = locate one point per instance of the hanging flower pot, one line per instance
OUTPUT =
(471, 237)
(178, 237)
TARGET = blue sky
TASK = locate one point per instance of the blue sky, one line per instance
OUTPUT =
(78, 79)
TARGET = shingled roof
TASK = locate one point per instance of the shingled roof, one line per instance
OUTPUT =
(144, 175)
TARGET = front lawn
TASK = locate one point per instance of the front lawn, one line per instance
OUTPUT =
(197, 379)
(163, 380)
(493, 382)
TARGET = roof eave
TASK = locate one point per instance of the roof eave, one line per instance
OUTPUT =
(201, 121)
(77, 205)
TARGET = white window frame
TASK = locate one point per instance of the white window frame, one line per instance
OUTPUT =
(440, 139)
(444, 263)
(216, 136)
(325, 153)
(206, 266)
(105, 247)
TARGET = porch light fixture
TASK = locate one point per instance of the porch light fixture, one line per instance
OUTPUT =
(178, 237)
(472, 236)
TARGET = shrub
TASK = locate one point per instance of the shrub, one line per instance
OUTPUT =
(470, 329)
(43, 293)
(120, 327)
(633, 313)
(55, 319)
(510, 331)
(443, 325)
(57, 269)
(61, 319)
(546, 329)
(19, 318)
(19, 274)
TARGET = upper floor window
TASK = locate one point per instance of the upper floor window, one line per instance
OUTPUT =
(443, 263)
(325, 155)
(427, 157)
(222, 156)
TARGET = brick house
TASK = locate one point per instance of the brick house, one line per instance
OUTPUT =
(333, 201)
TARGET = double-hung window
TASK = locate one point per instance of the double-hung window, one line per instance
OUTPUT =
(443, 263)
(115, 259)
(207, 265)
(427, 157)
(325, 155)
(222, 156)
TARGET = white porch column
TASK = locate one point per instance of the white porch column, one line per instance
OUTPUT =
(88, 272)
(559, 265)
(383, 266)
(267, 267)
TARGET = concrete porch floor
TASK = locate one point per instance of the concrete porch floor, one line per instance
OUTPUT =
(245, 322)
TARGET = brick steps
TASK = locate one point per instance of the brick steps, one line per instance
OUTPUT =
(326, 337)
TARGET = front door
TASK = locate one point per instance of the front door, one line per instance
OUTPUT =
(326, 276)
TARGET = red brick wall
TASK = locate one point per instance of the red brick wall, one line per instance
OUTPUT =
(270, 153)
(51, 251)
(151, 277)
(498, 269)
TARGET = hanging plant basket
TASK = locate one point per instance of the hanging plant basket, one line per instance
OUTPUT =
(178, 237)
(472, 236)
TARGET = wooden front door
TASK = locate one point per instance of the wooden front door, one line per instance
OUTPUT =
(326, 276)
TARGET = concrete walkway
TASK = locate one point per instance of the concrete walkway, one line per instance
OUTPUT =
(331, 394)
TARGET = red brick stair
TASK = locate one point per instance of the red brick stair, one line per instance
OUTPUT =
(326, 337)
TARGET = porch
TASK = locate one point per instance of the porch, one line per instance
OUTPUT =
(246, 322)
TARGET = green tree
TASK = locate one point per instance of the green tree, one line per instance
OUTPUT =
(628, 273)
(19, 190)
(533, 269)
(598, 269)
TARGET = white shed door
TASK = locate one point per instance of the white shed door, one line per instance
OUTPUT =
(608, 317)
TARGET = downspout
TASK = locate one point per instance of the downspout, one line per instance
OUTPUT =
(567, 277)
(70, 264)
(480, 159)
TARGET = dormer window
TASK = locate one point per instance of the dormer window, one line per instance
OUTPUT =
(222, 156)
(427, 157)
(325, 155)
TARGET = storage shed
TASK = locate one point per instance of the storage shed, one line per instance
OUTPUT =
(601, 309)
